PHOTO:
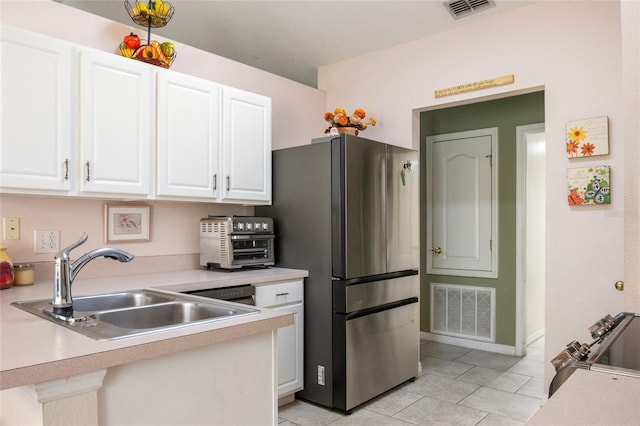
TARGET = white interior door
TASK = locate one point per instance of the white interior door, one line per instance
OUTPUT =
(462, 203)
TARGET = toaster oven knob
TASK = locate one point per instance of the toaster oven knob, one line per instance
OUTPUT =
(240, 226)
(258, 226)
(249, 226)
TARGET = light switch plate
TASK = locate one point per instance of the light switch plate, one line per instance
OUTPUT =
(46, 242)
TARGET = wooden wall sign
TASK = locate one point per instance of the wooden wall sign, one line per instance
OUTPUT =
(478, 85)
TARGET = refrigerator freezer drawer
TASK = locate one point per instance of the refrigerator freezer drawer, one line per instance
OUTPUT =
(382, 351)
(371, 294)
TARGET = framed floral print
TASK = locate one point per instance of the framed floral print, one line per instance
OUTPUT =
(126, 223)
(587, 138)
(588, 186)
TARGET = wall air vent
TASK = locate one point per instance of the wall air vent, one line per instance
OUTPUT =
(462, 8)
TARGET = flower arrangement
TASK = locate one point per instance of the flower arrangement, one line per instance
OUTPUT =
(339, 118)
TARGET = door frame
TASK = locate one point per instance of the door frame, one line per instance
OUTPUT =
(521, 174)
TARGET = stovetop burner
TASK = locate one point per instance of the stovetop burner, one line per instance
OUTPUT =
(616, 349)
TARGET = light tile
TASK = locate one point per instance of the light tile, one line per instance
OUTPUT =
(443, 367)
(428, 411)
(496, 379)
(489, 359)
(528, 368)
(441, 350)
(519, 407)
(392, 402)
(535, 354)
(441, 387)
(534, 387)
(304, 414)
(495, 420)
(365, 417)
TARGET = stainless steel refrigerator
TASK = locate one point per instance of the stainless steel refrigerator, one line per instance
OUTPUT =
(346, 209)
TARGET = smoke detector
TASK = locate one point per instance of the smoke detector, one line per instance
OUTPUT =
(462, 8)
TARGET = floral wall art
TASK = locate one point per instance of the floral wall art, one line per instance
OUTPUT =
(589, 186)
(588, 137)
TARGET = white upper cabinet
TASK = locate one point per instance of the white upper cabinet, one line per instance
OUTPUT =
(36, 125)
(246, 149)
(116, 124)
(188, 136)
(83, 122)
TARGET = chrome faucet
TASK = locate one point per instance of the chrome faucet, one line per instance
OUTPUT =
(65, 272)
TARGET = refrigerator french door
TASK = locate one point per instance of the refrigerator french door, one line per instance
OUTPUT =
(344, 211)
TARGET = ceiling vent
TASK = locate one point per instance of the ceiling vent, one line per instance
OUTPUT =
(462, 8)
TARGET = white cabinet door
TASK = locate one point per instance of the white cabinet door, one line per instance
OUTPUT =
(246, 147)
(188, 133)
(116, 124)
(289, 297)
(37, 112)
(290, 346)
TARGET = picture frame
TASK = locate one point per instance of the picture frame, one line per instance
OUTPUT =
(126, 223)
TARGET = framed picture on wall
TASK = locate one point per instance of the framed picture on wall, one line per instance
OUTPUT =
(588, 137)
(589, 186)
(126, 223)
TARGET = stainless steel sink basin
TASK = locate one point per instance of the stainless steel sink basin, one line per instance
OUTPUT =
(132, 313)
(128, 299)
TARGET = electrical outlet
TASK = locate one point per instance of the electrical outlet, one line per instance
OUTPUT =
(321, 375)
(11, 228)
(46, 242)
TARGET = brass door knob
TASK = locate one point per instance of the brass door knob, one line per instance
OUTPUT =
(619, 285)
(436, 250)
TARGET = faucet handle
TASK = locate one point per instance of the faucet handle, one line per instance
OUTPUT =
(64, 253)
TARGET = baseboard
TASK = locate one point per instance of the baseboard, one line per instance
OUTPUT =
(535, 336)
(466, 343)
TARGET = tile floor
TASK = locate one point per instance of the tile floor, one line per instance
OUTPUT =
(457, 386)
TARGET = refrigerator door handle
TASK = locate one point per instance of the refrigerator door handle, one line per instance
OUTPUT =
(380, 308)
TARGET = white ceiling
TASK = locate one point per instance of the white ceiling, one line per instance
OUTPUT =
(293, 38)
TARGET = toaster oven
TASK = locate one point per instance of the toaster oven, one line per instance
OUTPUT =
(232, 242)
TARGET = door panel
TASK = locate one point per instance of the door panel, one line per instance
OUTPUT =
(403, 209)
(461, 234)
(365, 249)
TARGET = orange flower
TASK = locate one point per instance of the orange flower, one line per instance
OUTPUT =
(360, 113)
(340, 119)
(328, 116)
(572, 147)
(373, 121)
(587, 149)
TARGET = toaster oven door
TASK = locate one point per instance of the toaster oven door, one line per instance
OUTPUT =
(252, 249)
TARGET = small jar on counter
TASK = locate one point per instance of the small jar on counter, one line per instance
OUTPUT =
(23, 274)
(6, 269)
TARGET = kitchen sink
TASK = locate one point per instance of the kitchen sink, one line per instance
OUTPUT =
(136, 312)
(128, 299)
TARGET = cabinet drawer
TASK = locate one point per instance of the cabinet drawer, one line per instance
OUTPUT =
(279, 294)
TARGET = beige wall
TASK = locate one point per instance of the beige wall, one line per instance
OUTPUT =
(580, 71)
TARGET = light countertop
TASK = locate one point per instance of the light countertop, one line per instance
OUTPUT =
(591, 397)
(34, 350)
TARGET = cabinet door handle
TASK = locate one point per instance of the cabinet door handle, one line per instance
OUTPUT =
(282, 294)
(436, 250)
(66, 169)
(88, 172)
(228, 183)
(215, 181)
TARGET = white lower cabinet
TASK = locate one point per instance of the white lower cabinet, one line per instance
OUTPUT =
(289, 297)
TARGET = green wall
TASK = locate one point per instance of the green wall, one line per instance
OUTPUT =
(505, 114)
